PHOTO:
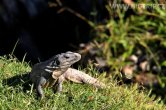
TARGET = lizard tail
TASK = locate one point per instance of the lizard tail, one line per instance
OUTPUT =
(93, 81)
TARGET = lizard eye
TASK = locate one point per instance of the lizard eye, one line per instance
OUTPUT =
(66, 56)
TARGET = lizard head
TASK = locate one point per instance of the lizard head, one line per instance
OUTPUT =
(64, 60)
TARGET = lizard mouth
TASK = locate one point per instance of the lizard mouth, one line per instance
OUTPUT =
(68, 63)
(64, 66)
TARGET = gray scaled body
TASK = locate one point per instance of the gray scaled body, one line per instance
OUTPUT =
(45, 74)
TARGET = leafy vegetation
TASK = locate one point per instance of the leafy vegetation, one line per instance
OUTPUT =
(136, 31)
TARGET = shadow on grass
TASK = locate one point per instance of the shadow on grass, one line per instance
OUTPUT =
(18, 80)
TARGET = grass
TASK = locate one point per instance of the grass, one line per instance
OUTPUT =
(73, 97)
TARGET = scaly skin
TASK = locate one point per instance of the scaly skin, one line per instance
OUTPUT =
(78, 77)
(45, 74)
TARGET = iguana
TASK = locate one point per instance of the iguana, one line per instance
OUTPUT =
(45, 74)
(54, 71)
(78, 77)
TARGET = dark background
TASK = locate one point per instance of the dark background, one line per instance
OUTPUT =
(41, 32)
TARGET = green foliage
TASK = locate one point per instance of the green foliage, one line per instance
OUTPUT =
(73, 97)
(133, 31)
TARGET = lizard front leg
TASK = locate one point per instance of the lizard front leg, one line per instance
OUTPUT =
(58, 86)
(39, 83)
